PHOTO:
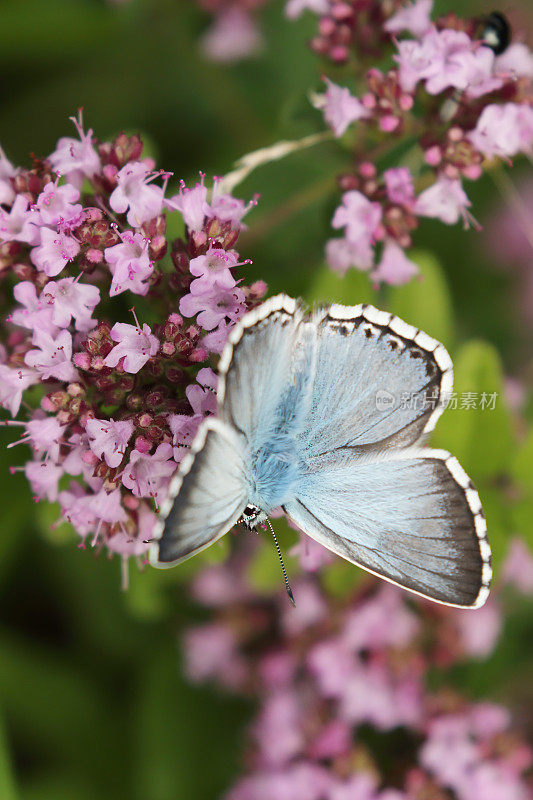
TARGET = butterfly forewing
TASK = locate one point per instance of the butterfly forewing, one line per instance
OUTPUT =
(378, 382)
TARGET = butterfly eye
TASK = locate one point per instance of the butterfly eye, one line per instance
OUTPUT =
(249, 511)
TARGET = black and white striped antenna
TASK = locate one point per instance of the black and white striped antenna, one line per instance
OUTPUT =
(287, 584)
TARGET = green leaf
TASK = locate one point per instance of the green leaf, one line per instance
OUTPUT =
(329, 287)
(425, 302)
(478, 430)
(264, 569)
(340, 578)
(7, 780)
(522, 516)
(522, 464)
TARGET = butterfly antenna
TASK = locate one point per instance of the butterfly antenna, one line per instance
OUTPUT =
(287, 584)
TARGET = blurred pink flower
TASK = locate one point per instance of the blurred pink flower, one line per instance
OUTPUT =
(517, 568)
(394, 268)
(340, 107)
(414, 18)
(234, 35)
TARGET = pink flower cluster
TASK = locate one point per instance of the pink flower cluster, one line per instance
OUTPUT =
(327, 672)
(234, 33)
(465, 105)
(118, 400)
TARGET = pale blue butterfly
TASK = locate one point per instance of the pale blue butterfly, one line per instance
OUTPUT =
(325, 415)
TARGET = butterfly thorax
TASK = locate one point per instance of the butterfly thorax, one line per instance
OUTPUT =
(274, 473)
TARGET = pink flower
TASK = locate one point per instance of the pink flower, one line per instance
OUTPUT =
(360, 786)
(382, 621)
(218, 586)
(309, 610)
(394, 268)
(54, 252)
(75, 159)
(311, 555)
(340, 107)
(479, 633)
(334, 739)
(295, 8)
(233, 35)
(43, 434)
(109, 439)
(211, 652)
(359, 216)
(277, 729)
(69, 298)
(202, 395)
(192, 205)
(361, 219)
(492, 781)
(504, 130)
(215, 265)
(7, 171)
(78, 508)
(301, 780)
(213, 305)
(126, 546)
(342, 254)
(446, 58)
(445, 200)
(277, 669)
(147, 475)
(19, 224)
(331, 663)
(43, 477)
(517, 61)
(371, 695)
(35, 313)
(517, 568)
(130, 264)
(399, 186)
(13, 382)
(52, 358)
(183, 428)
(215, 340)
(227, 208)
(135, 345)
(414, 18)
(449, 752)
(57, 206)
(108, 508)
(135, 194)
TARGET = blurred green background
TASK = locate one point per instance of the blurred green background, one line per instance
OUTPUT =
(92, 700)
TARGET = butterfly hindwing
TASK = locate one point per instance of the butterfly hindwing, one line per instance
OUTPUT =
(413, 518)
(206, 497)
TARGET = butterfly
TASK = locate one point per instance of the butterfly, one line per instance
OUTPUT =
(324, 415)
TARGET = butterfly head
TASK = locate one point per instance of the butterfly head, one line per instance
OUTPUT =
(252, 516)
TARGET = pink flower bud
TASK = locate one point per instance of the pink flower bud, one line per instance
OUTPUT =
(142, 444)
(82, 360)
(433, 156)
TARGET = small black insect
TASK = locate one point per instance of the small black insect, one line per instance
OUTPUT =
(496, 32)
